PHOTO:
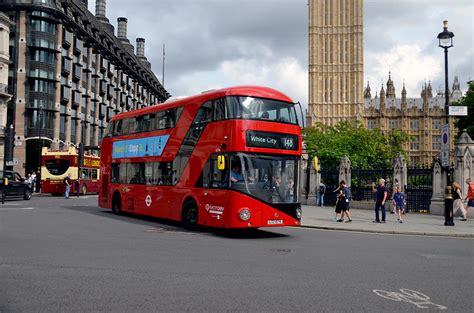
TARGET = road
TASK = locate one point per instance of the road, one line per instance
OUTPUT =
(59, 255)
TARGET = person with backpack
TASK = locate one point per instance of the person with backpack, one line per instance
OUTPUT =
(320, 194)
(67, 183)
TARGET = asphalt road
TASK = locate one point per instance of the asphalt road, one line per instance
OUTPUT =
(60, 255)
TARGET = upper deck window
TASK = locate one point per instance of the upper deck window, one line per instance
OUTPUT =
(261, 109)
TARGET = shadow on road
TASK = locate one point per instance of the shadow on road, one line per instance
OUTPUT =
(160, 225)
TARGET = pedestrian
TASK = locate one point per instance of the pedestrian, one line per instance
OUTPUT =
(67, 183)
(470, 195)
(33, 181)
(399, 202)
(342, 204)
(345, 199)
(320, 193)
(457, 204)
(380, 198)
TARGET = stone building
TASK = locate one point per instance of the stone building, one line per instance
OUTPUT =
(420, 117)
(70, 74)
(5, 25)
(336, 61)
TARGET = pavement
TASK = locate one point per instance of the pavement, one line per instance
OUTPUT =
(413, 223)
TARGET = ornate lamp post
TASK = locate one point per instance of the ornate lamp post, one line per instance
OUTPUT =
(446, 42)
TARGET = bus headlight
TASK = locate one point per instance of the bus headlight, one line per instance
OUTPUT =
(244, 214)
(299, 213)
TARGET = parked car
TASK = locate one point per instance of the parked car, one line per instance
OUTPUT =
(17, 186)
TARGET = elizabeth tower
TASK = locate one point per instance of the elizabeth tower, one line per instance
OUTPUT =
(336, 61)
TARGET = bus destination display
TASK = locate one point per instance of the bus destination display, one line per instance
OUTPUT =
(272, 140)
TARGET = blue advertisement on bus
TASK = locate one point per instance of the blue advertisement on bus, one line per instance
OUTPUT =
(151, 146)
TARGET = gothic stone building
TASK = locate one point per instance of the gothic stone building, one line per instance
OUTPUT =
(70, 74)
(420, 117)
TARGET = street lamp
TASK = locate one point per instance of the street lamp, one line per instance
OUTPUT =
(40, 147)
(446, 42)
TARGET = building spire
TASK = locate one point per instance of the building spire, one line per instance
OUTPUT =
(390, 87)
(367, 94)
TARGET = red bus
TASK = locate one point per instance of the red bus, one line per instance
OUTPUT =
(56, 164)
(224, 158)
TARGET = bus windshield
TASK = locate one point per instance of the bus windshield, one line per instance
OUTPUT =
(272, 179)
(57, 166)
(261, 109)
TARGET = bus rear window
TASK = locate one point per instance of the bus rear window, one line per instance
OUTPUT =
(57, 166)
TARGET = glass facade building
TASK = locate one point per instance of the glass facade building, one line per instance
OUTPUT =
(69, 75)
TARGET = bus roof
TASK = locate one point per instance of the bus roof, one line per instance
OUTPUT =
(253, 91)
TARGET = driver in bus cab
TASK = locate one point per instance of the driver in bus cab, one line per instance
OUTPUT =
(236, 174)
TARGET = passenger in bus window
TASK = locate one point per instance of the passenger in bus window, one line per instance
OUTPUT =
(265, 115)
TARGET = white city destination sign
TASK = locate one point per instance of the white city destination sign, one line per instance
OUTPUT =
(458, 110)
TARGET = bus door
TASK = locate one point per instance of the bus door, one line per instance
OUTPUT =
(214, 205)
(134, 197)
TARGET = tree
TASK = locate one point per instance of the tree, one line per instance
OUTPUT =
(367, 147)
(467, 122)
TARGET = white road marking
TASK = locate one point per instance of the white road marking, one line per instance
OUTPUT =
(16, 209)
(406, 295)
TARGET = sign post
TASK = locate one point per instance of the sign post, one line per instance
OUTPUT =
(445, 145)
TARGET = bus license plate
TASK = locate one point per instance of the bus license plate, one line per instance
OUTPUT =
(275, 222)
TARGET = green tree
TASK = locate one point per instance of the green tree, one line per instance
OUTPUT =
(467, 122)
(368, 147)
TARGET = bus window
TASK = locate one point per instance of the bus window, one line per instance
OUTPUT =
(85, 173)
(124, 129)
(149, 174)
(123, 173)
(132, 125)
(261, 109)
(219, 109)
(136, 173)
(57, 166)
(204, 114)
(118, 127)
(93, 173)
(115, 177)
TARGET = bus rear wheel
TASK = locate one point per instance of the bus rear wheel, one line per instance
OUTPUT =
(116, 204)
(189, 216)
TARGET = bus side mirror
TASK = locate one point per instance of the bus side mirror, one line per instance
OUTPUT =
(221, 162)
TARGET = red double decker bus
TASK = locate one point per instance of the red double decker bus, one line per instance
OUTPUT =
(225, 158)
(57, 164)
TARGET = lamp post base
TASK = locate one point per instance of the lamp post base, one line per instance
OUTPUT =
(448, 208)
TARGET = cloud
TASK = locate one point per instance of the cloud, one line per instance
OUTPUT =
(406, 63)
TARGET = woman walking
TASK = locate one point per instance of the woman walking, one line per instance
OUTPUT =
(458, 205)
(342, 205)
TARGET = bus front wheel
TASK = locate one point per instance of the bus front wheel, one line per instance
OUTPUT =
(189, 216)
(116, 204)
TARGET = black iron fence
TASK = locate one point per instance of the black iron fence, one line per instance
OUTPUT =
(330, 177)
(364, 180)
(419, 188)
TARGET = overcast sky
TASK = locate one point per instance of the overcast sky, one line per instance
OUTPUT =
(219, 43)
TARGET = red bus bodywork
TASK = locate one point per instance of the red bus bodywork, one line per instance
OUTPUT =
(216, 207)
(53, 182)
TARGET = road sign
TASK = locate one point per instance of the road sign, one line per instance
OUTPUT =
(445, 145)
(458, 110)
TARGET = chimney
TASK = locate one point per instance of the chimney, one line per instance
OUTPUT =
(141, 52)
(140, 47)
(100, 6)
(122, 28)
